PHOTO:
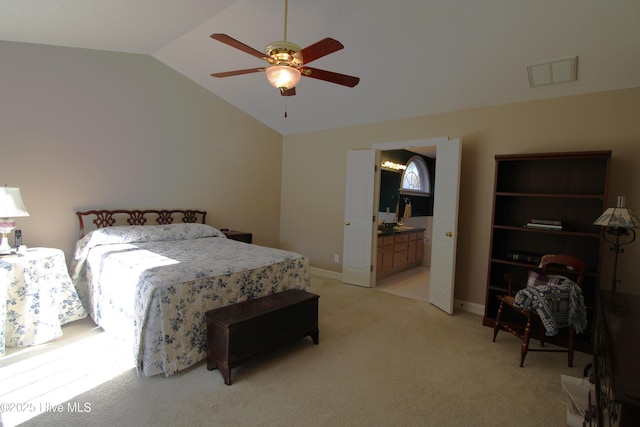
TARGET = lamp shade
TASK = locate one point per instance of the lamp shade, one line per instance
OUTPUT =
(618, 217)
(11, 204)
(283, 76)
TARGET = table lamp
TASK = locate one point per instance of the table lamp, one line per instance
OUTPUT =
(617, 222)
(11, 206)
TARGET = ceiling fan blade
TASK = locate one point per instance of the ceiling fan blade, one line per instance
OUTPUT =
(237, 72)
(330, 76)
(238, 45)
(288, 92)
(319, 49)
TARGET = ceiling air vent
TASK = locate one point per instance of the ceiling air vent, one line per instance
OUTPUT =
(559, 71)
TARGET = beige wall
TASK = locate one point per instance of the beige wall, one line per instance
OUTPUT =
(83, 129)
(314, 172)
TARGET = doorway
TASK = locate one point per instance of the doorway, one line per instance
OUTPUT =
(360, 232)
(412, 282)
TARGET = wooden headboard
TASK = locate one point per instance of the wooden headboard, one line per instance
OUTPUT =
(109, 218)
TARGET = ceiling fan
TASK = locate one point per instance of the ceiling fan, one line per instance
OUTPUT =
(288, 62)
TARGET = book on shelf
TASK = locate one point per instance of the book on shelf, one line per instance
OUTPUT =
(525, 257)
(545, 221)
(543, 226)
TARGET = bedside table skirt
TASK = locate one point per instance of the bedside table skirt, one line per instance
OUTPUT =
(39, 298)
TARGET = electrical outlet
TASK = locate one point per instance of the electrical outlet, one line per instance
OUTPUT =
(336, 258)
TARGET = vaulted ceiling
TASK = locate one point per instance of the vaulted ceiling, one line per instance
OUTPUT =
(414, 57)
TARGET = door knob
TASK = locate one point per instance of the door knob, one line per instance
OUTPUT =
(449, 234)
(347, 223)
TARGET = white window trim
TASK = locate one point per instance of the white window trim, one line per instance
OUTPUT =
(425, 178)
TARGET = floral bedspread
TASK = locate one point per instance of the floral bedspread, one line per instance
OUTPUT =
(153, 284)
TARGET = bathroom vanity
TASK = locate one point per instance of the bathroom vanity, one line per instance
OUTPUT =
(399, 248)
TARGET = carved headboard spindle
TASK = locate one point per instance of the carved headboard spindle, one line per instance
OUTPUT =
(136, 218)
(107, 217)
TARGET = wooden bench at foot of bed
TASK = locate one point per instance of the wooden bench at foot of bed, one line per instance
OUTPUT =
(237, 332)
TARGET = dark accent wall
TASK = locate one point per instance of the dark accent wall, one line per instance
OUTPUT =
(390, 185)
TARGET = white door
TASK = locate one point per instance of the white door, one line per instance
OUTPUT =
(445, 225)
(358, 218)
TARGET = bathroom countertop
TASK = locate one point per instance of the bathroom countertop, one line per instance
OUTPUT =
(398, 230)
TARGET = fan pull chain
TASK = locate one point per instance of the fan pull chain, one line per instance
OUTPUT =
(285, 107)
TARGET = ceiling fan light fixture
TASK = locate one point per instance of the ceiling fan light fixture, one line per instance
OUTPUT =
(283, 76)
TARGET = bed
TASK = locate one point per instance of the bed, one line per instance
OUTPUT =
(149, 277)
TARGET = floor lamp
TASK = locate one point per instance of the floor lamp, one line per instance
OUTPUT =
(616, 223)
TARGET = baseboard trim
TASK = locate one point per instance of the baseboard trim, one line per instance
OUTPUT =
(469, 307)
(325, 273)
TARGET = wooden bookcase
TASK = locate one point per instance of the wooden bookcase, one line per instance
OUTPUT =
(568, 187)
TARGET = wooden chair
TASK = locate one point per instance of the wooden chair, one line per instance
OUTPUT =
(564, 265)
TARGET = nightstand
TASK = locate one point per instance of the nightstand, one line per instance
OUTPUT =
(37, 297)
(240, 236)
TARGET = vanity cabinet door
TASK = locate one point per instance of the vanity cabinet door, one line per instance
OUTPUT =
(400, 250)
(416, 247)
(385, 254)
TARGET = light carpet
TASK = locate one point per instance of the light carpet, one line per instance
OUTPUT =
(383, 360)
